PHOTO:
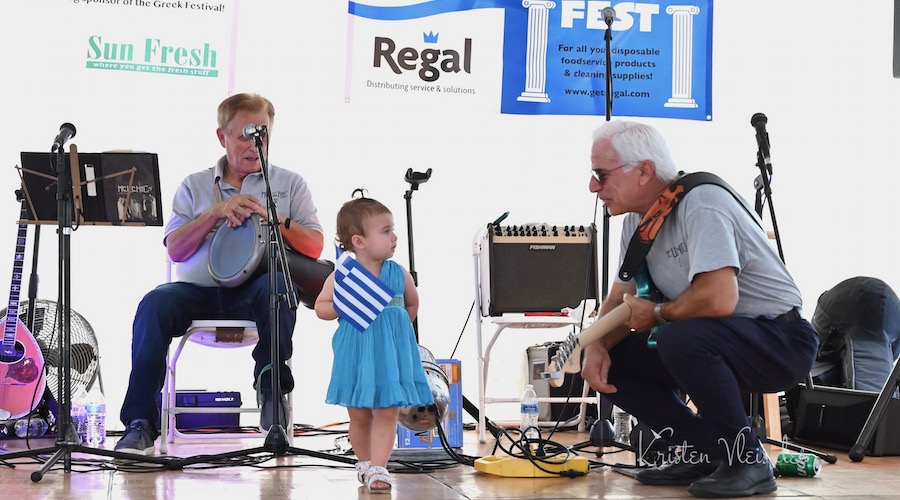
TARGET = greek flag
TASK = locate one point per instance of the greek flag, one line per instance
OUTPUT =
(358, 295)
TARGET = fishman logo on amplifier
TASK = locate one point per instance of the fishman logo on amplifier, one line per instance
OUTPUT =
(151, 56)
(542, 247)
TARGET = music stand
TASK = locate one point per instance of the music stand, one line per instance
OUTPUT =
(74, 201)
(116, 188)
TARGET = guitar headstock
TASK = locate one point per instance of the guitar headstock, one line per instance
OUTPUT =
(560, 365)
(553, 375)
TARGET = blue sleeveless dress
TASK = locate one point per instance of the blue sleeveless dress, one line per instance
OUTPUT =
(380, 367)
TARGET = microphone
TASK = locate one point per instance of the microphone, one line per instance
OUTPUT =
(609, 15)
(759, 121)
(251, 130)
(66, 132)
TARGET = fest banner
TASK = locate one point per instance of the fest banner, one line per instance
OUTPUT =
(550, 59)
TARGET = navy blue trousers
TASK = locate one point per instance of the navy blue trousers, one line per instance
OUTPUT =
(712, 361)
(165, 313)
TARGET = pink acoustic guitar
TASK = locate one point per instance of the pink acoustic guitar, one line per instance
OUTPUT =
(21, 361)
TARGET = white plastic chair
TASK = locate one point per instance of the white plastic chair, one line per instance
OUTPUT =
(483, 288)
(217, 334)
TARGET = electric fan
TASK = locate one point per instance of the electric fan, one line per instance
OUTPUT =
(85, 361)
(426, 417)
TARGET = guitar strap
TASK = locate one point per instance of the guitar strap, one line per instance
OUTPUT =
(653, 220)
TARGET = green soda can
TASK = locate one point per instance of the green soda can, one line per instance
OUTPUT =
(798, 464)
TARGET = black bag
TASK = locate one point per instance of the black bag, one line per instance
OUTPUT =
(858, 322)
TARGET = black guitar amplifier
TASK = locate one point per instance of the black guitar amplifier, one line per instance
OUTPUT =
(833, 417)
(539, 268)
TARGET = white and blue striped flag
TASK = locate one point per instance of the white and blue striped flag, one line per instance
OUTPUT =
(358, 295)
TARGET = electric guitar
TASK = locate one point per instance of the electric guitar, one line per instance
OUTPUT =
(568, 357)
(21, 361)
(647, 290)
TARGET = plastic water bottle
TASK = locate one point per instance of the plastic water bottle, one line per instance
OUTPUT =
(528, 416)
(31, 427)
(622, 426)
(95, 422)
(79, 417)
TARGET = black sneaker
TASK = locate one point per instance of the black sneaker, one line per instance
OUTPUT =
(139, 439)
(267, 415)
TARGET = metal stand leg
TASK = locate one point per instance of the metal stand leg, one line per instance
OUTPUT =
(858, 451)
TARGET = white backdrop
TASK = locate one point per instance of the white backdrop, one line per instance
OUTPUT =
(823, 80)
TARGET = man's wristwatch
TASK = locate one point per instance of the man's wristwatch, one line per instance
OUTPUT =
(657, 315)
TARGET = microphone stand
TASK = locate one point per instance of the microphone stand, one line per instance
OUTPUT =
(762, 183)
(601, 433)
(609, 96)
(414, 179)
(276, 441)
(604, 282)
(67, 438)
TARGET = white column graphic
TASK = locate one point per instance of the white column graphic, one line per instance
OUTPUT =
(536, 50)
(682, 48)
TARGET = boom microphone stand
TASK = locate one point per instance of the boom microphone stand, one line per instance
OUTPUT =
(763, 186)
(414, 179)
(276, 441)
(67, 438)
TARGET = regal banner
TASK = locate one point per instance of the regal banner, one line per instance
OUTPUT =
(534, 56)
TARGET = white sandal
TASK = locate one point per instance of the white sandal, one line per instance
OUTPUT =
(377, 473)
(361, 467)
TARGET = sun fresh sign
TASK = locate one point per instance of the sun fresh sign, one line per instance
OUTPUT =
(151, 56)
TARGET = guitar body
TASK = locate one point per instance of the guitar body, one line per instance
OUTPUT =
(647, 290)
(21, 374)
(21, 360)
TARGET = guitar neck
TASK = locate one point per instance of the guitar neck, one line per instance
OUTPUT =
(22, 381)
(568, 358)
(607, 323)
(12, 311)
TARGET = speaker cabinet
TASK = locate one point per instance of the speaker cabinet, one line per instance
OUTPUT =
(539, 268)
(572, 386)
(538, 359)
(833, 417)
